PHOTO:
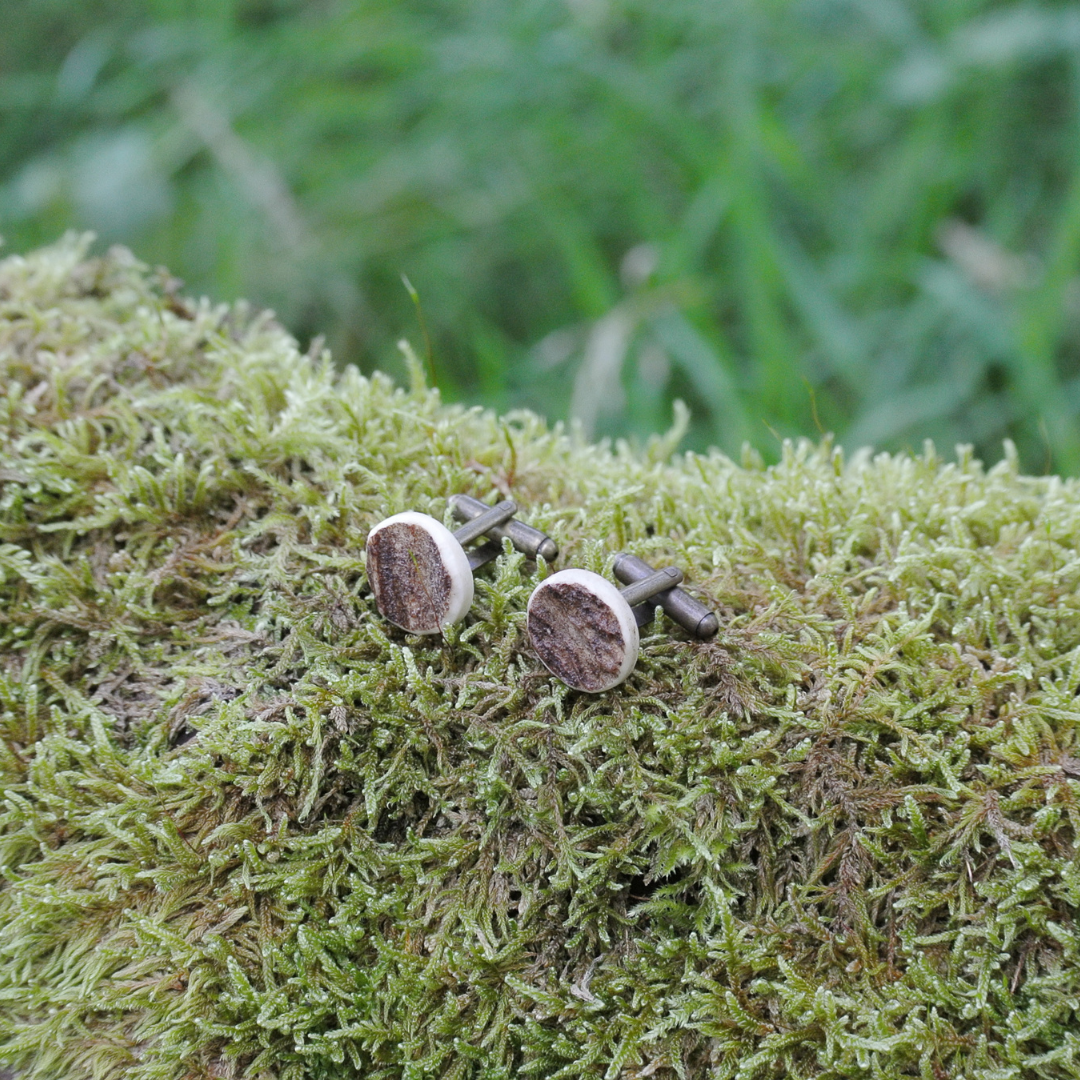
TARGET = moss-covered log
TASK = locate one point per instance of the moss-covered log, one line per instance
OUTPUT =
(249, 829)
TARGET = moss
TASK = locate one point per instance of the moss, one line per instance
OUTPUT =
(251, 830)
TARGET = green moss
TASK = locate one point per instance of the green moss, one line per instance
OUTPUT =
(251, 830)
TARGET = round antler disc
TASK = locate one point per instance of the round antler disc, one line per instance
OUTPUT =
(583, 630)
(419, 573)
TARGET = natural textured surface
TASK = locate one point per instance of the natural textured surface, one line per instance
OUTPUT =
(408, 577)
(251, 830)
(577, 635)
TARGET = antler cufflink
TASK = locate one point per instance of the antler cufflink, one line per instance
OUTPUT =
(420, 571)
(585, 630)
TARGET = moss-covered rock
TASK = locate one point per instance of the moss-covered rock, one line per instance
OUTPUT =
(249, 829)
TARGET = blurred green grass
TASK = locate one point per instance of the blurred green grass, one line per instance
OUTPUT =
(860, 216)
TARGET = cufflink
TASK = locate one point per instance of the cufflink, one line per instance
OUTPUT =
(420, 571)
(585, 630)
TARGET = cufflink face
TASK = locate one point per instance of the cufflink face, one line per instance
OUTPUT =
(419, 573)
(583, 630)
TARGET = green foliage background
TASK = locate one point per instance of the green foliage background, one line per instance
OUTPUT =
(797, 215)
(250, 830)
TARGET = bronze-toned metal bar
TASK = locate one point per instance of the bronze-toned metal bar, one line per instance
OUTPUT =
(646, 588)
(679, 606)
(482, 555)
(525, 538)
(489, 518)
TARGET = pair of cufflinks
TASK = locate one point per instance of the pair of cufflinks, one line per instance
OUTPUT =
(583, 628)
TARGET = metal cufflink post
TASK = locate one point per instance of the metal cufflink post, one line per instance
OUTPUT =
(420, 571)
(524, 537)
(692, 616)
(585, 630)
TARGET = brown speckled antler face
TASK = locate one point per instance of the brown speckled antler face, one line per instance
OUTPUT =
(583, 631)
(421, 583)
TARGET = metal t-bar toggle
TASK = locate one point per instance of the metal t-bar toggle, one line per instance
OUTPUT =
(532, 542)
(682, 608)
